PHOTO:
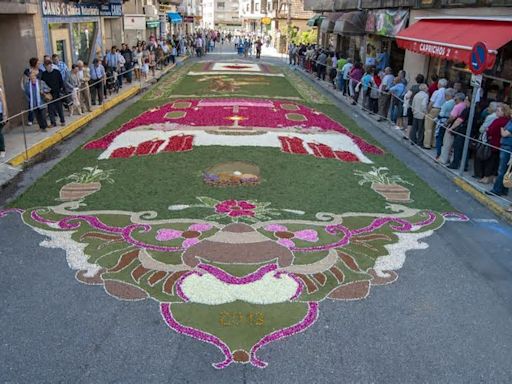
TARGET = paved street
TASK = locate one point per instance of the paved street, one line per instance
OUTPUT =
(447, 319)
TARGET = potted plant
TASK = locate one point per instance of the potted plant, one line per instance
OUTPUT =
(84, 183)
(385, 185)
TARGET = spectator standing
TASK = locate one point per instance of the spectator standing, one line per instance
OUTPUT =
(490, 117)
(333, 69)
(127, 54)
(85, 94)
(62, 67)
(436, 102)
(367, 84)
(433, 85)
(409, 96)
(322, 65)
(419, 109)
(34, 89)
(33, 66)
(442, 119)
(397, 94)
(97, 73)
(356, 74)
(488, 168)
(55, 82)
(506, 146)
(347, 68)
(3, 117)
(385, 96)
(448, 138)
(458, 129)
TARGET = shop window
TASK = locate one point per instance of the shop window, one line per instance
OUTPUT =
(83, 40)
(61, 50)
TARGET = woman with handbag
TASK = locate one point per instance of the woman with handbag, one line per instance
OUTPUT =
(38, 94)
(504, 179)
(488, 156)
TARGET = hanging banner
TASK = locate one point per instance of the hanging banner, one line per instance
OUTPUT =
(386, 22)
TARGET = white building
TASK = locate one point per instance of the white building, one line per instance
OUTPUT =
(251, 13)
(208, 20)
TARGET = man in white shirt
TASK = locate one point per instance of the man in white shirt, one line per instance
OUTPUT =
(419, 110)
(436, 102)
(345, 70)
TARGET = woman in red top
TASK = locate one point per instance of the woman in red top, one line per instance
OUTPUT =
(489, 167)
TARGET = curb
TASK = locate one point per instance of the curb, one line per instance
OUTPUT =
(57, 137)
(494, 207)
(483, 199)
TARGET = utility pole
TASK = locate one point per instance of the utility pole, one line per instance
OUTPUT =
(289, 23)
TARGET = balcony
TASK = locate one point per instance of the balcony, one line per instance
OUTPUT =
(350, 5)
(13, 7)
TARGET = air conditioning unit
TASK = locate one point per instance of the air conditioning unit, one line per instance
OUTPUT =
(150, 10)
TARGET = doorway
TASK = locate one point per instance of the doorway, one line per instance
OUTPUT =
(61, 42)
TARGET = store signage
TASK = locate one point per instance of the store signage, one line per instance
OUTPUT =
(266, 20)
(188, 19)
(60, 9)
(153, 23)
(435, 50)
(478, 61)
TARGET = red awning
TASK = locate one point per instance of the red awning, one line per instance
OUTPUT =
(453, 39)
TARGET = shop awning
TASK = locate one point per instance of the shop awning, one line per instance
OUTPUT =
(327, 25)
(315, 21)
(454, 39)
(351, 23)
(174, 17)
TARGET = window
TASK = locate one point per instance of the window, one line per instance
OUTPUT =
(247, 7)
(257, 7)
(221, 5)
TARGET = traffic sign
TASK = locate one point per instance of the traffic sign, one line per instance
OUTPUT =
(478, 62)
(476, 80)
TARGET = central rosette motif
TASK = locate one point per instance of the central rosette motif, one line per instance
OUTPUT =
(235, 208)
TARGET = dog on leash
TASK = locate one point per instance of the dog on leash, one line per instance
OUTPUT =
(75, 104)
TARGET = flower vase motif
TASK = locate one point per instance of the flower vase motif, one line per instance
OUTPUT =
(393, 193)
(78, 191)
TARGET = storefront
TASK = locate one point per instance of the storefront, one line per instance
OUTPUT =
(134, 28)
(382, 25)
(350, 35)
(73, 30)
(152, 28)
(445, 44)
(327, 37)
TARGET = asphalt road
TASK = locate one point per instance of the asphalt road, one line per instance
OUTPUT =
(447, 320)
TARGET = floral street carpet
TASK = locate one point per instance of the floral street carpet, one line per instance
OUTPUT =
(237, 202)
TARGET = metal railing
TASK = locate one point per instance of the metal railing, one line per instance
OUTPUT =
(87, 88)
(360, 101)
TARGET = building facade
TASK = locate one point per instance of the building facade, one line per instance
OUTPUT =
(22, 32)
(440, 44)
(227, 15)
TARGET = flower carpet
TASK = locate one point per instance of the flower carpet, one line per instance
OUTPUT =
(237, 216)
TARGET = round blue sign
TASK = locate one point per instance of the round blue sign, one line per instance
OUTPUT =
(478, 62)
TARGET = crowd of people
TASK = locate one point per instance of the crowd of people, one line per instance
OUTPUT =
(50, 85)
(431, 113)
